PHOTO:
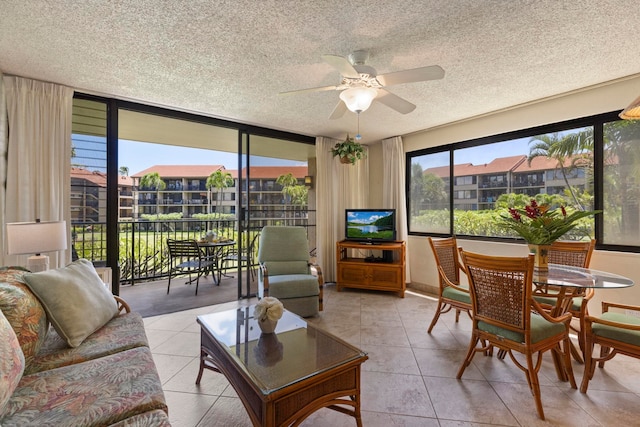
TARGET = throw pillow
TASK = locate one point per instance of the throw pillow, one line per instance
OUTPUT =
(25, 315)
(75, 299)
(11, 361)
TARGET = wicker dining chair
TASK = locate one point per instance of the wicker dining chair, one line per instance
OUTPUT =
(506, 316)
(451, 293)
(575, 254)
(616, 331)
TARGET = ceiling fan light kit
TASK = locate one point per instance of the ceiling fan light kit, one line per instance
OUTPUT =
(360, 84)
(358, 99)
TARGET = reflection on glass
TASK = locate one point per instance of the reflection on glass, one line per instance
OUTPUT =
(621, 183)
(429, 198)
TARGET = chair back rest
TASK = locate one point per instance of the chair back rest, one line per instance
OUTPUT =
(284, 250)
(572, 253)
(183, 248)
(500, 289)
(445, 252)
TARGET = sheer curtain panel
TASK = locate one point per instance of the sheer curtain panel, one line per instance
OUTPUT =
(393, 194)
(339, 186)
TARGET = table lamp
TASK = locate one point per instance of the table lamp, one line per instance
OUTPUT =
(35, 238)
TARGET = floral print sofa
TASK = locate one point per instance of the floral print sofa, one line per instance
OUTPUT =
(109, 378)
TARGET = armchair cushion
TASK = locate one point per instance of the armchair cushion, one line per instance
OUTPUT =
(618, 334)
(277, 268)
(293, 286)
(75, 299)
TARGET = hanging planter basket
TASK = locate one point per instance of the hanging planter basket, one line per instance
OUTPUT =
(348, 150)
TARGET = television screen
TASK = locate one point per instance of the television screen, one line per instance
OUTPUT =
(370, 225)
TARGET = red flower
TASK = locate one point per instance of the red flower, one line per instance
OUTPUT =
(515, 214)
(564, 211)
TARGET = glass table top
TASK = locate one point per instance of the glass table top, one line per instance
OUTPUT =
(296, 351)
(562, 275)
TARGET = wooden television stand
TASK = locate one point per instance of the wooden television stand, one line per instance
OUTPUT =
(380, 273)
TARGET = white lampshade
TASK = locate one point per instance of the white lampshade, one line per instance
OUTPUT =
(34, 238)
(358, 99)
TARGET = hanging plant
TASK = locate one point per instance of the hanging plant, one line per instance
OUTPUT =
(348, 150)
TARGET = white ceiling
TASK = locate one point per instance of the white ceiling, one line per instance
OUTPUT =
(230, 59)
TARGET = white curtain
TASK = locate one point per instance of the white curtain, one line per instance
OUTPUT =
(339, 187)
(393, 194)
(39, 155)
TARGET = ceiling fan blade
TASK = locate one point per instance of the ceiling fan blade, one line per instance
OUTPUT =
(312, 89)
(394, 101)
(341, 64)
(433, 72)
(339, 111)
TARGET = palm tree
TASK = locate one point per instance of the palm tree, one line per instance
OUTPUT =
(124, 171)
(559, 148)
(294, 194)
(219, 180)
(153, 181)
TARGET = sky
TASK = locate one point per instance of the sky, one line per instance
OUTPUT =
(138, 156)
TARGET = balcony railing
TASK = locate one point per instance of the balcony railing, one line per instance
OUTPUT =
(143, 253)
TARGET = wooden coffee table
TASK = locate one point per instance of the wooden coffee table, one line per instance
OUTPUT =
(284, 377)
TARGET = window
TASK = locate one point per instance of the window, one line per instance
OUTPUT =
(429, 201)
(621, 183)
(553, 165)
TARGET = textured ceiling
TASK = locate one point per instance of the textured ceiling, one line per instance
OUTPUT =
(230, 59)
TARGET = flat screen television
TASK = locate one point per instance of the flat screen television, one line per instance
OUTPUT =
(370, 225)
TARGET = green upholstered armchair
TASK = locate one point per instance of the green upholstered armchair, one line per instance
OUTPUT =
(285, 271)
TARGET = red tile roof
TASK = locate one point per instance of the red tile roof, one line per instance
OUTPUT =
(180, 171)
(261, 172)
(95, 177)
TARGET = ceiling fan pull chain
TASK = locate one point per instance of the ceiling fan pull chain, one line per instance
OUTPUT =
(358, 136)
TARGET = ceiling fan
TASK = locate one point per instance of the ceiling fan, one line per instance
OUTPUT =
(360, 84)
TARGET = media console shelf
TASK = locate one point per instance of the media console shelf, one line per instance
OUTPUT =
(357, 268)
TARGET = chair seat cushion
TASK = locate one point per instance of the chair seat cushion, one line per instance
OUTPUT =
(541, 329)
(456, 295)
(576, 303)
(293, 286)
(618, 334)
(11, 361)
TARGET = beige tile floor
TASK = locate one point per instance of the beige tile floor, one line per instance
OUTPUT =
(409, 379)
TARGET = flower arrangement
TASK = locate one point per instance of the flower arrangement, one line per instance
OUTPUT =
(268, 308)
(539, 224)
(349, 150)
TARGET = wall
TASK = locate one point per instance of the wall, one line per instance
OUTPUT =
(595, 100)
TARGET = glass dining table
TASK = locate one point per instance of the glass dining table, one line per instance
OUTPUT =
(567, 282)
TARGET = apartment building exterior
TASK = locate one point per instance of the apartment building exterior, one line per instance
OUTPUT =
(477, 187)
(186, 191)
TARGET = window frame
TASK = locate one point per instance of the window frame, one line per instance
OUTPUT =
(597, 122)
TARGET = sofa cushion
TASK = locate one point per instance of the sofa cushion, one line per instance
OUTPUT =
(23, 311)
(75, 299)
(11, 361)
(155, 418)
(120, 333)
(98, 392)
